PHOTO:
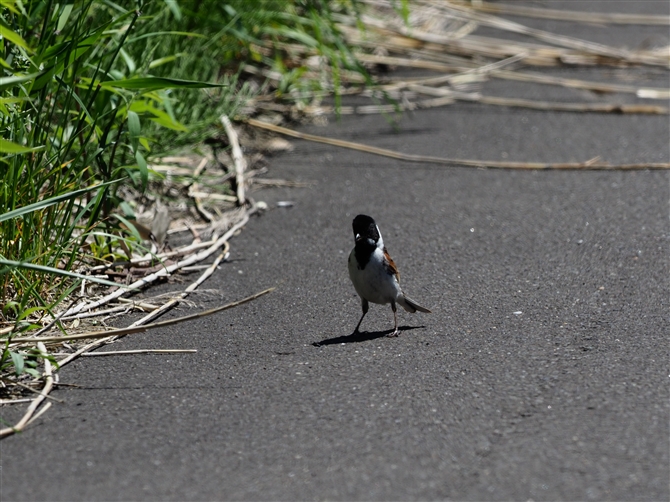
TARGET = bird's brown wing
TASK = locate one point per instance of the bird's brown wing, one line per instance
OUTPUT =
(390, 265)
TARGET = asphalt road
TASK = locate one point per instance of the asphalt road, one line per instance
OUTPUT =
(541, 374)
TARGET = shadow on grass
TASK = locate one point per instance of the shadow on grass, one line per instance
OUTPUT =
(363, 336)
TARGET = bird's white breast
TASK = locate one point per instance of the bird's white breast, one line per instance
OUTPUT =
(374, 283)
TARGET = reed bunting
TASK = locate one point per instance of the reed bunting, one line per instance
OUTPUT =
(374, 274)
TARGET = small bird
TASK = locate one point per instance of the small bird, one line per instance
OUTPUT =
(373, 273)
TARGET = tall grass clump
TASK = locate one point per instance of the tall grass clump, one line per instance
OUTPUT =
(274, 37)
(71, 107)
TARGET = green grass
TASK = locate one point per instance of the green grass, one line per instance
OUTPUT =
(70, 123)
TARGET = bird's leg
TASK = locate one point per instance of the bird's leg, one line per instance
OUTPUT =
(395, 320)
(365, 305)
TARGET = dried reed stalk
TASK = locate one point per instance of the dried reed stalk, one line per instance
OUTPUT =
(562, 49)
(139, 351)
(588, 165)
(195, 194)
(494, 71)
(238, 159)
(135, 329)
(567, 15)
(541, 105)
(48, 385)
(197, 257)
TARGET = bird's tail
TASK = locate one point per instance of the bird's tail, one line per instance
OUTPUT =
(410, 305)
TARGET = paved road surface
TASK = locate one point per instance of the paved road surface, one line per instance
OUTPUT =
(542, 373)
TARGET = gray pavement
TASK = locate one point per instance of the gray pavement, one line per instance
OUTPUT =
(542, 373)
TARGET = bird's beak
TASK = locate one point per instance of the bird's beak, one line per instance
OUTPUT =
(358, 237)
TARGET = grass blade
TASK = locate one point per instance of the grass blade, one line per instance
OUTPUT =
(156, 83)
(50, 202)
(11, 264)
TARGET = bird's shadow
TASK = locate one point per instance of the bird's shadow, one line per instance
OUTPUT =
(362, 336)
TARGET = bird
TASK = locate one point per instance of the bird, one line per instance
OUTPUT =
(374, 274)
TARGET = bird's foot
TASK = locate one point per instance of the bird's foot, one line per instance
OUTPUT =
(393, 334)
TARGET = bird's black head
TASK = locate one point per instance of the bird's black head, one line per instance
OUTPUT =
(365, 228)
